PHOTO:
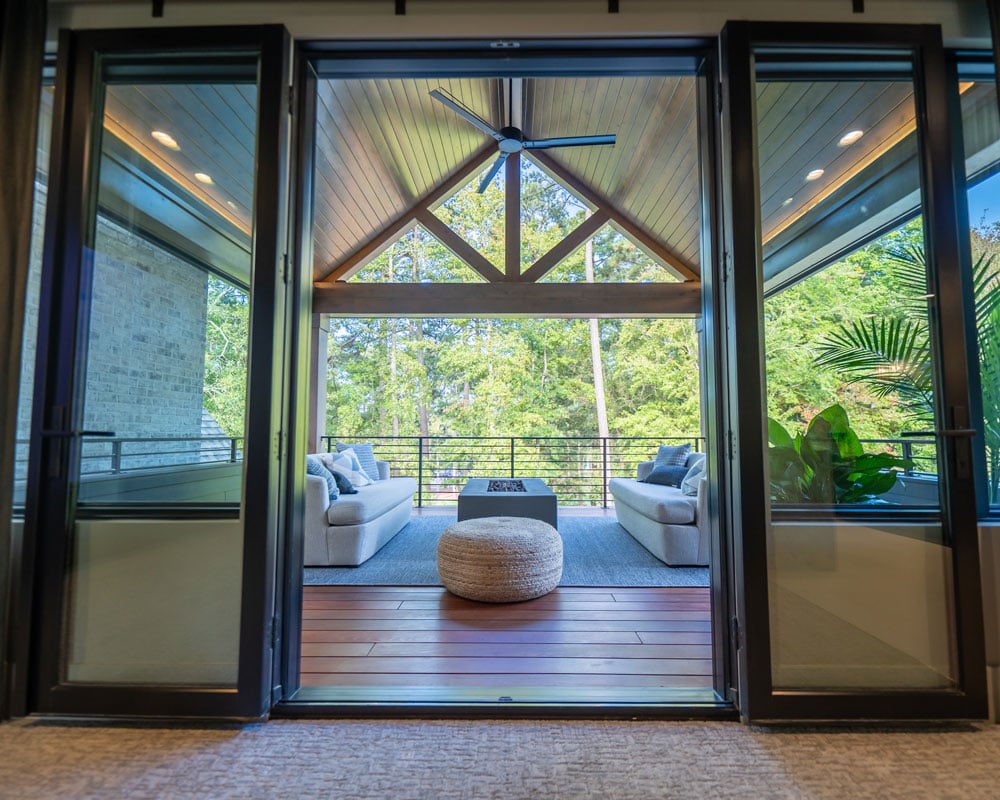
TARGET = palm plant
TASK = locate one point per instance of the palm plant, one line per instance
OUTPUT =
(892, 357)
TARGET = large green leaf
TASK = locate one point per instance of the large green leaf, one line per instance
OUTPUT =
(777, 435)
(889, 357)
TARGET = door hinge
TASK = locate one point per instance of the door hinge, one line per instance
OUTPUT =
(291, 101)
(718, 97)
(730, 446)
(734, 633)
(278, 441)
(284, 268)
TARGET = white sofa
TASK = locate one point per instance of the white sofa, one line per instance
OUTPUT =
(351, 529)
(663, 519)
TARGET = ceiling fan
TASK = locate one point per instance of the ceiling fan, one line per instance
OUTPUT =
(511, 139)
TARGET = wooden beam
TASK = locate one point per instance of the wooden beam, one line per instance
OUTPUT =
(561, 249)
(628, 226)
(512, 216)
(508, 299)
(461, 248)
(384, 237)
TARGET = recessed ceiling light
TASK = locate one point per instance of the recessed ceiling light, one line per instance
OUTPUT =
(787, 201)
(201, 176)
(166, 140)
(231, 204)
(850, 138)
(814, 174)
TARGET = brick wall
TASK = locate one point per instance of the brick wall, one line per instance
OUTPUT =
(146, 361)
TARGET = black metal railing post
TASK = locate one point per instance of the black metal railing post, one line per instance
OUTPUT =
(908, 454)
(512, 456)
(233, 451)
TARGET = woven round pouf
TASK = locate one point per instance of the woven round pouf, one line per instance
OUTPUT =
(500, 559)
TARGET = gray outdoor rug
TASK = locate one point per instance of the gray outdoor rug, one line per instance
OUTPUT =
(596, 552)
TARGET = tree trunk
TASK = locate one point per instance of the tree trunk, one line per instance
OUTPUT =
(595, 350)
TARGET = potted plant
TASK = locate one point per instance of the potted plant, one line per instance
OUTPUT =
(827, 464)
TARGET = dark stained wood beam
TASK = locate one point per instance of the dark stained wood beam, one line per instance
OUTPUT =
(461, 248)
(512, 216)
(628, 226)
(384, 237)
(508, 299)
(561, 249)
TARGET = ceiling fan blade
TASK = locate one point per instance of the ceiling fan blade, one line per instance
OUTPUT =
(568, 141)
(492, 173)
(462, 111)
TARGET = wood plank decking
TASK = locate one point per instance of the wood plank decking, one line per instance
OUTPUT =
(591, 639)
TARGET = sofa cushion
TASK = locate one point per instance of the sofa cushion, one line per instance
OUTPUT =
(347, 464)
(315, 467)
(671, 455)
(659, 503)
(689, 485)
(366, 457)
(371, 501)
(666, 476)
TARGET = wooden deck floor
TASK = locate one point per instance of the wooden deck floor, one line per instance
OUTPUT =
(641, 641)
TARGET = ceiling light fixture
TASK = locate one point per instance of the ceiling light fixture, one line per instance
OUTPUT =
(787, 201)
(850, 138)
(166, 140)
(204, 178)
(814, 174)
(231, 204)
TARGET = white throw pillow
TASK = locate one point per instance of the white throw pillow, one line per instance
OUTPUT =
(347, 464)
(689, 484)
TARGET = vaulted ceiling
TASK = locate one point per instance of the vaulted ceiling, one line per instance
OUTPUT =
(383, 145)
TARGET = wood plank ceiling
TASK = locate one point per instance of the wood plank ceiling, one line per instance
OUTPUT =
(384, 144)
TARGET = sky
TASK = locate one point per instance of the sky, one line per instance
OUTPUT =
(984, 202)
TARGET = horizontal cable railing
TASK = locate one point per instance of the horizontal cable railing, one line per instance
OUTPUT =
(922, 452)
(114, 455)
(577, 468)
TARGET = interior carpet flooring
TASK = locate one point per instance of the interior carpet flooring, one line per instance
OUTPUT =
(507, 760)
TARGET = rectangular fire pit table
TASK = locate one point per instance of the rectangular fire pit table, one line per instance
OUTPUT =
(530, 498)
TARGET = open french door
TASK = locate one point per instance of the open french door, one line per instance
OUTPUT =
(154, 489)
(837, 164)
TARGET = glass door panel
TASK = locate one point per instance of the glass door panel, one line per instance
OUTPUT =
(853, 501)
(156, 494)
(856, 601)
(24, 398)
(163, 395)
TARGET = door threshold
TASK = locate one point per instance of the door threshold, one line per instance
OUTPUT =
(495, 703)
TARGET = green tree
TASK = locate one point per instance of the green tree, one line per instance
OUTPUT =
(226, 348)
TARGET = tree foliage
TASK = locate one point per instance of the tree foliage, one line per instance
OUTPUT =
(227, 321)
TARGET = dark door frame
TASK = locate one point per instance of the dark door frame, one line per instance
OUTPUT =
(746, 407)
(471, 58)
(40, 685)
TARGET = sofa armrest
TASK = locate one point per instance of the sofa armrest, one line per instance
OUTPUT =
(701, 512)
(383, 470)
(317, 496)
(643, 470)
